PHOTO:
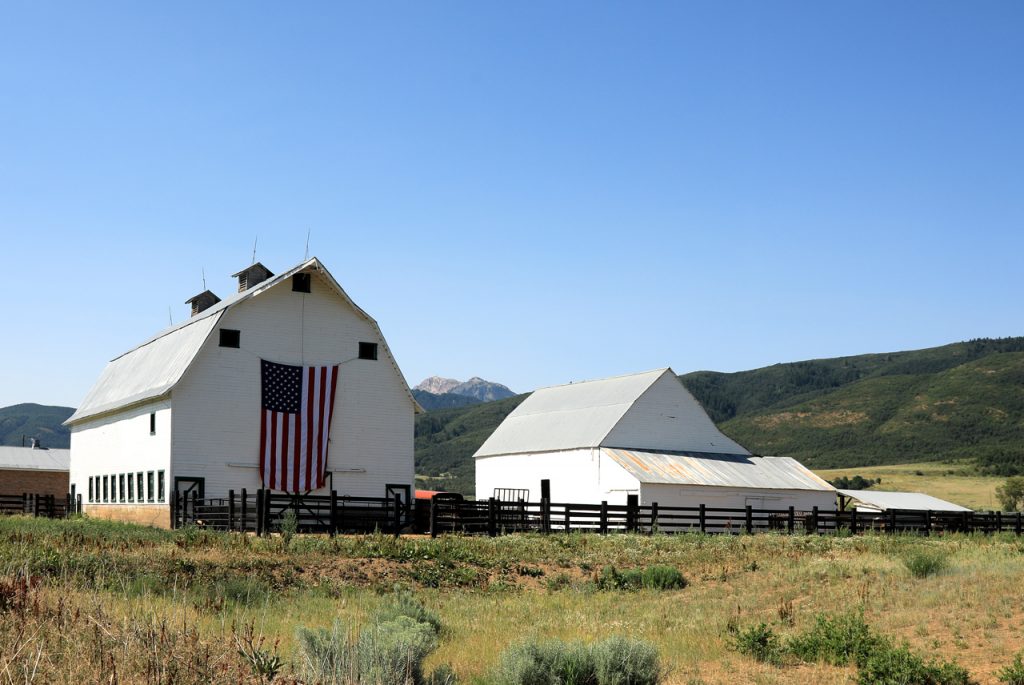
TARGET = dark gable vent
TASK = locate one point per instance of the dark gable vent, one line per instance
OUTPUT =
(202, 301)
(252, 276)
(301, 283)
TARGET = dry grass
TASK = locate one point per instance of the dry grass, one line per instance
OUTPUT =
(196, 596)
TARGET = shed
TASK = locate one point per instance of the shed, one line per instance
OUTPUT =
(641, 434)
(34, 470)
(883, 500)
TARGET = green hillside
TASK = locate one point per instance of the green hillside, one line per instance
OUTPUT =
(35, 421)
(959, 401)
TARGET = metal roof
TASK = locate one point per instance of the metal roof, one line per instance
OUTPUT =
(884, 500)
(34, 459)
(726, 470)
(153, 368)
(568, 416)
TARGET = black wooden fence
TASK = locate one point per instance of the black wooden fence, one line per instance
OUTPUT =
(34, 504)
(264, 512)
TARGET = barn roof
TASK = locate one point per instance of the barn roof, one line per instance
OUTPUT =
(34, 459)
(883, 500)
(151, 369)
(580, 415)
(730, 470)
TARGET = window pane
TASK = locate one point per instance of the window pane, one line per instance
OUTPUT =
(120, 487)
(141, 487)
(104, 488)
(131, 488)
(149, 486)
(90, 488)
(160, 486)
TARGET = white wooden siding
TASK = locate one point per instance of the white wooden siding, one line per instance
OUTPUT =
(217, 402)
(667, 417)
(121, 443)
(582, 475)
(729, 498)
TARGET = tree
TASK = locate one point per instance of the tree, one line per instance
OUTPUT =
(1011, 493)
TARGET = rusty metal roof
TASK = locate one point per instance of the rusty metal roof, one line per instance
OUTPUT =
(727, 470)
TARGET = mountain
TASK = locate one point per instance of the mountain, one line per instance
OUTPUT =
(958, 401)
(436, 392)
(446, 400)
(35, 421)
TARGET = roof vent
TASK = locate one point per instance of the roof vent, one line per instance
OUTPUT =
(202, 301)
(252, 276)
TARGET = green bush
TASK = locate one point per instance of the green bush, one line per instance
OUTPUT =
(899, 666)
(392, 652)
(405, 604)
(616, 661)
(1014, 673)
(327, 657)
(923, 563)
(761, 643)
(837, 640)
(651, 578)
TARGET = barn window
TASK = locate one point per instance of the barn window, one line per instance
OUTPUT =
(152, 423)
(90, 488)
(301, 283)
(139, 486)
(149, 486)
(120, 487)
(230, 338)
(160, 486)
(105, 488)
(113, 488)
(367, 350)
(131, 488)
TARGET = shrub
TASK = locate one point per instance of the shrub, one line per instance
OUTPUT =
(924, 563)
(616, 661)
(652, 578)
(1014, 673)
(839, 640)
(404, 604)
(759, 642)
(392, 652)
(898, 666)
(327, 657)
(624, 661)
(289, 527)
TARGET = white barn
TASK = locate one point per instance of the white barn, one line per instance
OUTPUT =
(641, 434)
(182, 410)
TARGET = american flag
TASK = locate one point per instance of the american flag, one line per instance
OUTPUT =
(295, 420)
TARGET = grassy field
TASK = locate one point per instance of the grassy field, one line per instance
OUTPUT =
(88, 601)
(953, 482)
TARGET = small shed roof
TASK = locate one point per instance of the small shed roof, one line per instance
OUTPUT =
(729, 470)
(34, 459)
(884, 500)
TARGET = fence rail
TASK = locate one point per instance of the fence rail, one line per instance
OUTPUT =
(34, 504)
(264, 512)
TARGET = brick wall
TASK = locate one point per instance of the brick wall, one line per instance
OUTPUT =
(16, 482)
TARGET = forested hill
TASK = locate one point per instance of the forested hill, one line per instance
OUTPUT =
(35, 421)
(964, 400)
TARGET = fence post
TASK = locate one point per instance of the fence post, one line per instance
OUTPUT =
(632, 513)
(545, 515)
(398, 514)
(604, 517)
(1016, 524)
(243, 522)
(78, 504)
(492, 518)
(69, 502)
(703, 518)
(814, 518)
(195, 503)
(259, 512)
(654, 517)
(433, 517)
(266, 512)
(332, 524)
(999, 521)
(892, 520)
(24, 503)
(853, 521)
(231, 510)
(750, 520)
(567, 523)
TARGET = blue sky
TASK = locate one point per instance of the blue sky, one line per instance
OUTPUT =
(529, 192)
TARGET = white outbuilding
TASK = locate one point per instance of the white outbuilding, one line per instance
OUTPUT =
(183, 411)
(641, 434)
